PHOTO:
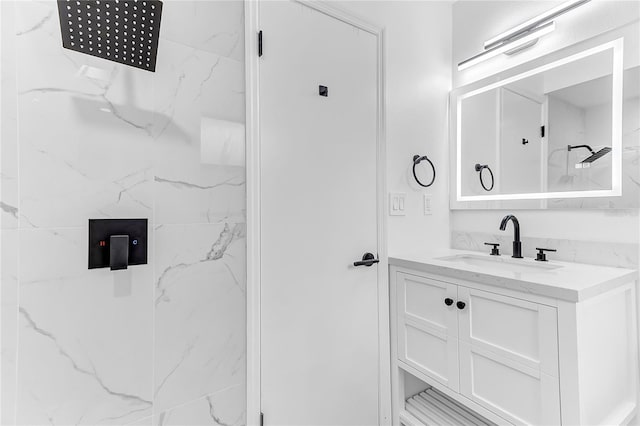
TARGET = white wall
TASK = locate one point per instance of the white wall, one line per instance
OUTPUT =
(418, 80)
(476, 21)
(480, 142)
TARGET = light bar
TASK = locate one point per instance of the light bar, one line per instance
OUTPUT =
(533, 23)
(521, 36)
(529, 39)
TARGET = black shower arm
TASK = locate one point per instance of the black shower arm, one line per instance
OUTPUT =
(569, 147)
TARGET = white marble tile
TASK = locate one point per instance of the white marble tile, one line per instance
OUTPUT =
(84, 141)
(86, 336)
(8, 323)
(99, 139)
(212, 26)
(590, 252)
(147, 421)
(9, 176)
(224, 408)
(200, 311)
(193, 86)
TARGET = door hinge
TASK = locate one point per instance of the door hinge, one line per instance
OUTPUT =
(260, 43)
(542, 131)
(261, 414)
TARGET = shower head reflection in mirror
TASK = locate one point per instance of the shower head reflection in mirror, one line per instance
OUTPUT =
(593, 157)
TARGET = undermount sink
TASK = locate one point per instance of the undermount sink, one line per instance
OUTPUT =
(498, 262)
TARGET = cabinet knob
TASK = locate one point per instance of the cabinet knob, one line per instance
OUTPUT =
(461, 305)
(448, 301)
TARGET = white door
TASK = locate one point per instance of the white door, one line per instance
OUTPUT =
(509, 356)
(428, 327)
(521, 163)
(319, 324)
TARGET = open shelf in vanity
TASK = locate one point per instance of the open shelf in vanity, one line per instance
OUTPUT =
(511, 347)
(425, 404)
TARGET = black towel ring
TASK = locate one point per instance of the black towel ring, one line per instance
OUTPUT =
(480, 168)
(416, 160)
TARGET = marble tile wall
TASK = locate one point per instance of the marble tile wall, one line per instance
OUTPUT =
(162, 343)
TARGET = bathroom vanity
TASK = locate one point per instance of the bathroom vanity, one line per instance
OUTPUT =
(512, 341)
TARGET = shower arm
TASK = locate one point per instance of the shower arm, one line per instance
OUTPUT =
(569, 148)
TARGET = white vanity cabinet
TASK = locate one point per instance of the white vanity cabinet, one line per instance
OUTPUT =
(511, 355)
(427, 328)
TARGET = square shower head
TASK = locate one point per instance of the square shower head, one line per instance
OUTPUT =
(124, 31)
(586, 163)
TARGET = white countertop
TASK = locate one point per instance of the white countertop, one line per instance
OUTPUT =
(573, 282)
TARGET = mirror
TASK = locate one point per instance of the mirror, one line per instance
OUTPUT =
(551, 136)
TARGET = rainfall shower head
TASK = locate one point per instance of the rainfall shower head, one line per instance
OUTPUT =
(124, 31)
(586, 163)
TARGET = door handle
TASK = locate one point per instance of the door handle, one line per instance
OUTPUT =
(368, 259)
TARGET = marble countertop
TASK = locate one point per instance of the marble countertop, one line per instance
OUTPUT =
(573, 282)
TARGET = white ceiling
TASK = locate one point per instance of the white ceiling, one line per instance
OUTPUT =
(598, 91)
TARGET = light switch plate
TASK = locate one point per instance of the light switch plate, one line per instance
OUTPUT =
(428, 202)
(397, 203)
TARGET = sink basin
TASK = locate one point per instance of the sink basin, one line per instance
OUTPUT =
(499, 262)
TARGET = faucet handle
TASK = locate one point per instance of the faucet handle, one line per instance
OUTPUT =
(541, 256)
(495, 251)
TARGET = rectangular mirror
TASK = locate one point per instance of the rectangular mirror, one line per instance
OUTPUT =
(547, 135)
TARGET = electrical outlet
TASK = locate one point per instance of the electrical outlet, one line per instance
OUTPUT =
(397, 203)
(427, 204)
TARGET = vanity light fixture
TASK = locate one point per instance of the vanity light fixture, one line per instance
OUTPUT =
(510, 47)
(521, 36)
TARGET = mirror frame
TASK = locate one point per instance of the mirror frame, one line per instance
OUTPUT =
(549, 62)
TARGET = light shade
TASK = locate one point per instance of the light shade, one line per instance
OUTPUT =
(533, 23)
(521, 36)
(530, 37)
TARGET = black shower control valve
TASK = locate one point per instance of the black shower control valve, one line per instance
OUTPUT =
(448, 301)
(461, 305)
(541, 256)
(117, 243)
(495, 251)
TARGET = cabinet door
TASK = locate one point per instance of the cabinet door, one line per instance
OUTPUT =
(428, 327)
(509, 356)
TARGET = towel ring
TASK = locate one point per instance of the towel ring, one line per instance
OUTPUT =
(480, 168)
(416, 160)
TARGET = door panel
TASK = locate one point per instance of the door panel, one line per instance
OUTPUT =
(521, 164)
(513, 391)
(516, 329)
(507, 344)
(319, 323)
(427, 327)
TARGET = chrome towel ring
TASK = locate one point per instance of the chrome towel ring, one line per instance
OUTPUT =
(479, 169)
(416, 160)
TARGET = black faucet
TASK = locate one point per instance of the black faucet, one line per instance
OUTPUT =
(517, 245)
